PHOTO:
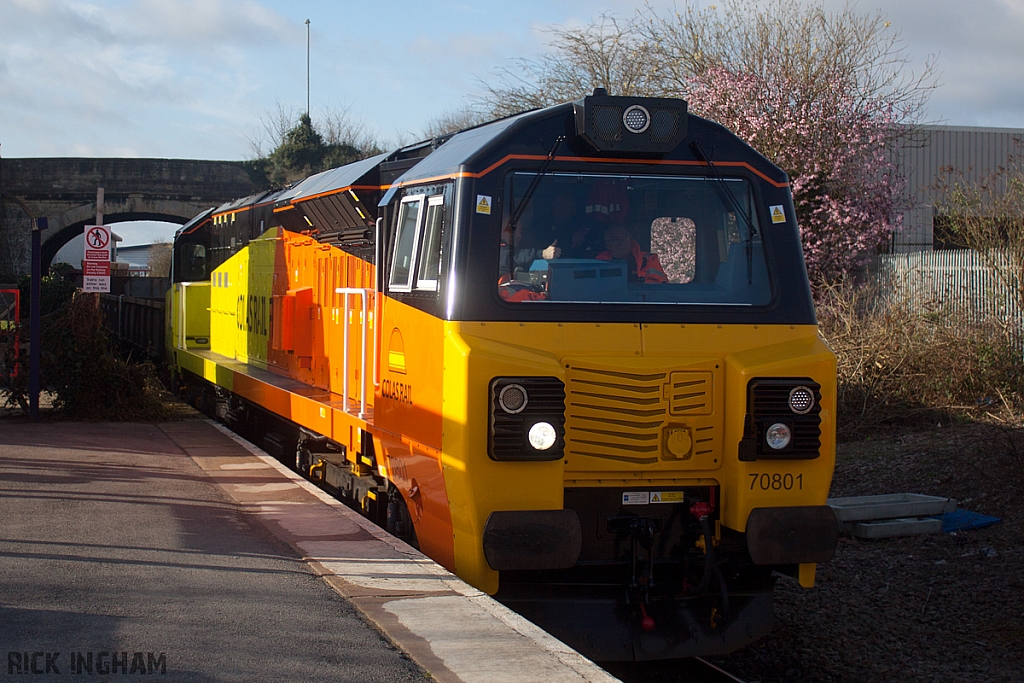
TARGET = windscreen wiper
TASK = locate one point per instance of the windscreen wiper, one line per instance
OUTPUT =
(698, 151)
(517, 211)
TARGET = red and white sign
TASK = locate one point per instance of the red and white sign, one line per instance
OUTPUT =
(96, 266)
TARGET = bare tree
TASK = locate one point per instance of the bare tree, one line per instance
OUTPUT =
(274, 126)
(454, 120)
(825, 52)
(611, 53)
(338, 127)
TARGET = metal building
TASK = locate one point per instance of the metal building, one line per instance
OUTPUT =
(975, 152)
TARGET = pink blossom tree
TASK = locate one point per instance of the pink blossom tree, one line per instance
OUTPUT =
(826, 95)
(836, 150)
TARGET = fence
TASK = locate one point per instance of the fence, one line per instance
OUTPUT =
(959, 283)
(135, 324)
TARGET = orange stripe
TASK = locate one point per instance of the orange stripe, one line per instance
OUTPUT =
(541, 157)
(340, 189)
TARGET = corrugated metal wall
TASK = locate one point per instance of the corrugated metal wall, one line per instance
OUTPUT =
(976, 152)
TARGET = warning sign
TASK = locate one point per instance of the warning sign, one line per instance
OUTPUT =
(483, 204)
(96, 266)
(778, 215)
(666, 496)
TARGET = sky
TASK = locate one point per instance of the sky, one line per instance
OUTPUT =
(196, 78)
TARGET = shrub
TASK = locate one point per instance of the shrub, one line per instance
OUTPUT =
(897, 367)
(87, 380)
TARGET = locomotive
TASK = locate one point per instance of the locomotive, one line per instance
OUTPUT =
(571, 355)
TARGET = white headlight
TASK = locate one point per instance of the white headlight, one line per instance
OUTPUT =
(542, 436)
(778, 436)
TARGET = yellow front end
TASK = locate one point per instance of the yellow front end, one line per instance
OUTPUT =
(645, 406)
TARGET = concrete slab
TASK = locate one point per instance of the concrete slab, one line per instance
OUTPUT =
(181, 540)
(892, 528)
(889, 506)
(453, 630)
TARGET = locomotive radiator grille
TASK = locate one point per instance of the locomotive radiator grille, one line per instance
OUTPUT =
(617, 418)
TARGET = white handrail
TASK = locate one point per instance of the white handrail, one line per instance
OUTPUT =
(364, 296)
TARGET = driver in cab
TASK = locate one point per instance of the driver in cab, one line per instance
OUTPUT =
(643, 265)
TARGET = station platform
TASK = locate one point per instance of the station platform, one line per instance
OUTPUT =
(178, 549)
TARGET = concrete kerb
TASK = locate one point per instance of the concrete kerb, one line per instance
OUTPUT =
(454, 631)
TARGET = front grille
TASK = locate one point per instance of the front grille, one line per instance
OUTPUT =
(768, 401)
(690, 393)
(616, 415)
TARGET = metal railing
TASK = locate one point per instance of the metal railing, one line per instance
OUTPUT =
(961, 284)
(366, 324)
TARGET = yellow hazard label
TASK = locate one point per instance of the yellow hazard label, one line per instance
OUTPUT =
(483, 204)
(666, 496)
(778, 215)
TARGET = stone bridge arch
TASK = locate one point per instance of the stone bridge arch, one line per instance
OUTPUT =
(64, 191)
(71, 224)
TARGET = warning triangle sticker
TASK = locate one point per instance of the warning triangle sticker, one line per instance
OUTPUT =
(778, 215)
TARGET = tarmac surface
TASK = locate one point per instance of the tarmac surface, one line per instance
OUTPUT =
(176, 549)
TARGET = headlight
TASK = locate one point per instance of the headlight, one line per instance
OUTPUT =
(542, 436)
(778, 436)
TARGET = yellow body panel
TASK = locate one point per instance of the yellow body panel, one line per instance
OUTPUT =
(704, 431)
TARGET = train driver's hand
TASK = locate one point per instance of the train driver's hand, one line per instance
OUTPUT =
(552, 252)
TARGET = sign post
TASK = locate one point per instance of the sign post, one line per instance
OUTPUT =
(96, 265)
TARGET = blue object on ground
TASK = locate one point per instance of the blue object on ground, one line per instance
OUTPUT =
(964, 520)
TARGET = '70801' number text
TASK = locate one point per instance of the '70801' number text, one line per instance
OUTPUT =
(776, 482)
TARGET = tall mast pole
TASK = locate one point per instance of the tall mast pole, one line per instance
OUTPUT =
(307, 68)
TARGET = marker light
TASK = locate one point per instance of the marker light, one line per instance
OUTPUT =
(778, 436)
(801, 400)
(636, 119)
(542, 436)
(512, 399)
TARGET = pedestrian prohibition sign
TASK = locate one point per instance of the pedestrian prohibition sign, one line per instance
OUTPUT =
(97, 236)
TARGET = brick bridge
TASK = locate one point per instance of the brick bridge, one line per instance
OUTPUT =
(64, 191)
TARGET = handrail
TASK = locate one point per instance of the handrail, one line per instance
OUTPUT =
(364, 296)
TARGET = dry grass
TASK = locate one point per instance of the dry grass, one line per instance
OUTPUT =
(909, 369)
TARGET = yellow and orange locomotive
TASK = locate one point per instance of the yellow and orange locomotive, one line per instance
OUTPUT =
(571, 355)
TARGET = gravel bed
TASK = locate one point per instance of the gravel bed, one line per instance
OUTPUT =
(943, 607)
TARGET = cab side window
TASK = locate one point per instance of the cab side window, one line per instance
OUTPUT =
(416, 260)
(405, 244)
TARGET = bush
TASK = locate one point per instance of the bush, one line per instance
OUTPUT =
(87, 380)
(897, 367)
